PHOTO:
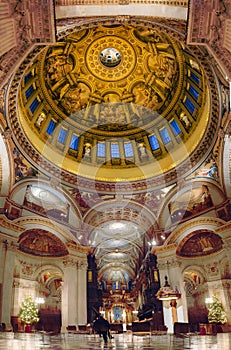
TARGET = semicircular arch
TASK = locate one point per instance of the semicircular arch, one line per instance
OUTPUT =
(26, 192)
(29, 223)
(200, 243)
(127, 210)
(187, 228)
(40, 242)
(183, 202)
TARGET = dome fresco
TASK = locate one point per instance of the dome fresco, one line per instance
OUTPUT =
(134, 119)
(114, 141)
(114, 109)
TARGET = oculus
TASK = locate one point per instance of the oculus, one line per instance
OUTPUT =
(110, 57)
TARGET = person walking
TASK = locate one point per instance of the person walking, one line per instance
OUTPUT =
(102, 327)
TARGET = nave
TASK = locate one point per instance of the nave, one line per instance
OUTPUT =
(23, 341)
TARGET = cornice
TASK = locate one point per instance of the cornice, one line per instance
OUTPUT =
(225, 227)
(78, 248)
(165, 248)
(191, 225)
(4, 223)
(27, 221)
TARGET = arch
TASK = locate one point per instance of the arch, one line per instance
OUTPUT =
(60, 209)
(29, 222)
(193, 277)
(108, 272)
(187, 228)
(225, 268)
(196, 274)
(41, 242)
(18, 193)
(45, 266)
(128, 10)
(199, 243)
(185, 201)
(123, 210)
(120, 230)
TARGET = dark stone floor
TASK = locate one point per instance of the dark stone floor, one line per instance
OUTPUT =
(127, 341)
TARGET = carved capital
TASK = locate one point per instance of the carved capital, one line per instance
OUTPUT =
(70, 262)
(82, 265)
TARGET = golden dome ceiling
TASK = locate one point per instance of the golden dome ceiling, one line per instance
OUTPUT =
(115, 103)
(126, 103)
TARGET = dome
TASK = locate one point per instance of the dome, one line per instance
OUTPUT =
(115, 102)
(115, 130)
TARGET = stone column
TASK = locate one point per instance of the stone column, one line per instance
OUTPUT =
(227, 245)
(8, 256)
(82, 293)
(226, 286)
(69, 294)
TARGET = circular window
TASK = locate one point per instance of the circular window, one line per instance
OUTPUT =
(110, 57)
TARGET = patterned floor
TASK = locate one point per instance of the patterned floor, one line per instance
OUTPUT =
(23, 341)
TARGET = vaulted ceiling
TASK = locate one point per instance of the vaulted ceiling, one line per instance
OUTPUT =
(116, 105)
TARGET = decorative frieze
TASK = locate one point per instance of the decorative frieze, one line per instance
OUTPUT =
(216, 15)
(86, 3)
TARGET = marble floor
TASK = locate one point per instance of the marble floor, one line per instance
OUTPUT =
(23, 341)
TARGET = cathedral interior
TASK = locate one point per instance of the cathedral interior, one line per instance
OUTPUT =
(115, 161)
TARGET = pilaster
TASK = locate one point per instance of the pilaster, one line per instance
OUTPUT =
(69, 293)
(8, 256)
(82, 292)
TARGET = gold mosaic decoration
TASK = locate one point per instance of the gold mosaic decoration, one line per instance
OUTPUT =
(76, 79)
(114, 85)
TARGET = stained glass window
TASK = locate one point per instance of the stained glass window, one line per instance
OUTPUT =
(115, 152)
(154, 142)
(62, 135)
(128, 150)
(27, 77)
(175, 127)
(74, 142)
(101, 150)
(165, 135)
(193, 92)
(34, 105)
(29, 91)
(190, 106)
(195, 78)
(51, 127)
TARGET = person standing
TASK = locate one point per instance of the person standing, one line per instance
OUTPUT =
(102, 327)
